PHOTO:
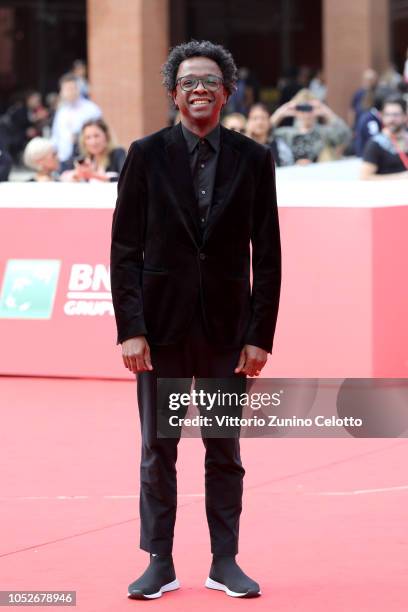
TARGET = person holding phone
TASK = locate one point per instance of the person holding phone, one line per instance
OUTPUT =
(318, 134)
(100, 160)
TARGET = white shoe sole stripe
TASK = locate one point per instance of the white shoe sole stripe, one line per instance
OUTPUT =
(213, 584)
(170, 586)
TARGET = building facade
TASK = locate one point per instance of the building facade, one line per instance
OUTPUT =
(126, 42)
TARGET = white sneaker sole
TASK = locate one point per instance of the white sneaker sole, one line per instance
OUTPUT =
(218, 586)
(170, 586)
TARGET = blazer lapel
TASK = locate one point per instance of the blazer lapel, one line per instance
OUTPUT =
(180, 174)
(225, 177)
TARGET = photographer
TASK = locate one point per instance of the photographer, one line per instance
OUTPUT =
(309, 140)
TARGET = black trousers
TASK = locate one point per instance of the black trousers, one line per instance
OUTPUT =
(194, 357)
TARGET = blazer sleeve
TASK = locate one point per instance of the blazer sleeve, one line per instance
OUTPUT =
(266, 260)
(127, 246)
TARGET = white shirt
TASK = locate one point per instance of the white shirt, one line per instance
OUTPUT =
(68, 121)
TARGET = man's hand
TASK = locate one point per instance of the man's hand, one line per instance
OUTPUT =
(251, 360)
(136, 354)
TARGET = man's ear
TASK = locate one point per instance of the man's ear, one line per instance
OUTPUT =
(172, 96)
(227, 96)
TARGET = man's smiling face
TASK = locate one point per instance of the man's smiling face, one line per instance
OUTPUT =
(200, 105)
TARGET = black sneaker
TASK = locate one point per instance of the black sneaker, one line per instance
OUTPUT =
(226, 575)
(158, 578)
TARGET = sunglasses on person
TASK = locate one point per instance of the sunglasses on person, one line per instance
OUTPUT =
(209, 82)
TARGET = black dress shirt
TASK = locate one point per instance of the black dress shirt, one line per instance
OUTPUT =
(203, 155)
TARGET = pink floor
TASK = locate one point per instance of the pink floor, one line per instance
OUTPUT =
(324, 527)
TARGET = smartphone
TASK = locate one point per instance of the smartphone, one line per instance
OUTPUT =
(304, 108)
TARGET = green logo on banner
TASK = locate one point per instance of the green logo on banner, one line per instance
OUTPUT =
(29, 288)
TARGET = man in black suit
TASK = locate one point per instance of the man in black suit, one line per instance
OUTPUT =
(191, 200)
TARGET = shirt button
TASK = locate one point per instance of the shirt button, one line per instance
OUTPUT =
(202, 256)
(202, 165)
(203, 191)
(202, 220)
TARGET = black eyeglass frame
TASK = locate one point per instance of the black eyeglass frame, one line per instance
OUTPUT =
(201, 80)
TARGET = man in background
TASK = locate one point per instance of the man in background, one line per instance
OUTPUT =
(73, 112)
(386, 154)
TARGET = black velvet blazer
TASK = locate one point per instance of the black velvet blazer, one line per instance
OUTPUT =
(161, 264)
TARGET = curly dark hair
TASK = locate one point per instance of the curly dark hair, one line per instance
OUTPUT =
(200, 48)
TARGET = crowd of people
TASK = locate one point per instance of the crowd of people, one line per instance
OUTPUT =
(303, 129)
(67, 139)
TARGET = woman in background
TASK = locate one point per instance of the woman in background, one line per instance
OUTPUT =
(258, 128)
(100, 160)
(41, 156)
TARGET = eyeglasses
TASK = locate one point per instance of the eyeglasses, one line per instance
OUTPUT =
(210, 82)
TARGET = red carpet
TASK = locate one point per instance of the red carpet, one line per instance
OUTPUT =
(324, 524)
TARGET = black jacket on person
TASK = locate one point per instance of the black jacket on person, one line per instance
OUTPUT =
(161, 264)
